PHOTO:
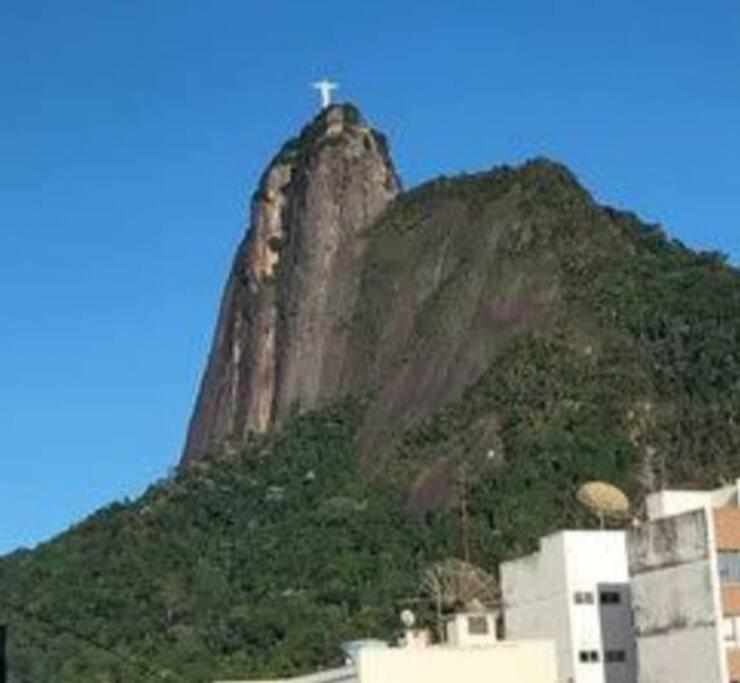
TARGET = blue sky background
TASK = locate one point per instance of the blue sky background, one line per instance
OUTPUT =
(132, 133)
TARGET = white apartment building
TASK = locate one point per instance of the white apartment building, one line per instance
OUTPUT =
(576, 591)
(685, 569)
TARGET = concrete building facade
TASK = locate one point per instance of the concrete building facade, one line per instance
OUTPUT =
(685, 569)
(502, 662)
(576, 591)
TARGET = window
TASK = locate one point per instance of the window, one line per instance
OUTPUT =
(729, 566)
(477, 626)
(613, 656)
(588, 656)
(500, 627)
(610, 598)
(729, 629)
(583, 598)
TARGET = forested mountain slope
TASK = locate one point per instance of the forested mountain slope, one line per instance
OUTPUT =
(500, 324)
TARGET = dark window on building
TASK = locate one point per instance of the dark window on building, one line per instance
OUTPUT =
(477, 626)
(610, 598)
(583, 598)
(615, 656)
(588, 656)
(500, 628)
(729, 566)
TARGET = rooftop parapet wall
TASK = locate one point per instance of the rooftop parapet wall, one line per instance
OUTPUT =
(526, 661)
(671, 569)
(345, 674)
(675, 501)
(667, 542)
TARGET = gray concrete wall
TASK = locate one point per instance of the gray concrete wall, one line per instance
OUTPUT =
(537, 600)
(675, 599)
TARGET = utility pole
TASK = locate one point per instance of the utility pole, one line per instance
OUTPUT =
(463, 481)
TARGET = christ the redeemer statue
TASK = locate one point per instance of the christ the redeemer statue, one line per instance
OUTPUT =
(325, 87)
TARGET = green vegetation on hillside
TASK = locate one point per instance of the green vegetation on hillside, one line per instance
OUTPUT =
(639, 332)
(614, 354)
(251, 566)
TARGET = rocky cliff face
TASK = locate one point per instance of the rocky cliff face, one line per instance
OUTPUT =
(285, 316)
(345, 287)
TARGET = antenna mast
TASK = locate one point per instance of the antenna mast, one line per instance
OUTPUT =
(464, 520)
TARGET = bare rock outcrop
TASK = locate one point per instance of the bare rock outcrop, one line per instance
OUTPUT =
(284, 323)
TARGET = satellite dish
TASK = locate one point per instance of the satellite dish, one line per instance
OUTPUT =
(605, 500)
(408, 618)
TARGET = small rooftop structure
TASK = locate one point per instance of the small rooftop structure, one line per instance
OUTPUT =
(472, 629)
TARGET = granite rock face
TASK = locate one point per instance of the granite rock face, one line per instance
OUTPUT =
(285, 318)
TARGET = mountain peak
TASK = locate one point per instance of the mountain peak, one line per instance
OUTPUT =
(334, 125)
(283, 326)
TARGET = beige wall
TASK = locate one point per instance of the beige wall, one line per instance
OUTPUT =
(514, 662)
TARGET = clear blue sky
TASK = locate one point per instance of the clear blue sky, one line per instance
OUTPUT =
(132, 133)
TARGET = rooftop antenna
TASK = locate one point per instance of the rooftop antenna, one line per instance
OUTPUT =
(325, 88)
(605, 500)
(454, 584)
(464, 517)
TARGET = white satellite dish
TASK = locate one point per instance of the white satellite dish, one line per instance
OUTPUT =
(408, 618)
